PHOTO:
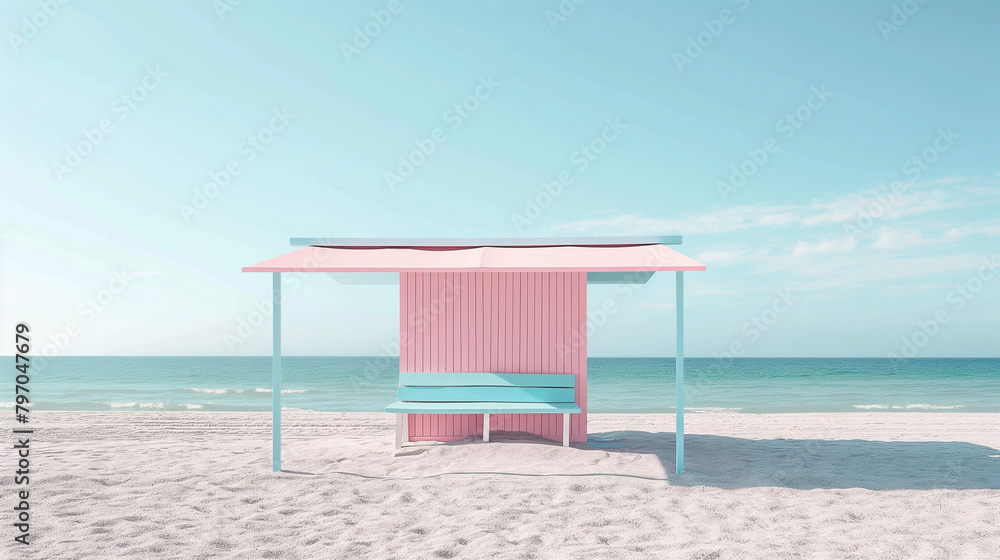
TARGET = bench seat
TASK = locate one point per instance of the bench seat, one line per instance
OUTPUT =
(484, 393)
(482, 408)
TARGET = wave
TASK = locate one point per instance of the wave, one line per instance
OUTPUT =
(7, 404)
(713, 409)
(908, 406)
(257, 390)
(934, 406)
(152, 405)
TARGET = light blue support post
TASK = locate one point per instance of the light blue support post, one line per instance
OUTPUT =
(680, 371)
(276, 374)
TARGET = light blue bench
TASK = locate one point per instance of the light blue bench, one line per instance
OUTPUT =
(484, 393)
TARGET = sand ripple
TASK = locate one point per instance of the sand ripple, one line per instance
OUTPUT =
(153, 484)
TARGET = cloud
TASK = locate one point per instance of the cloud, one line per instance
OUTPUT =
(980, 228)
(907, 290)
(838, 245)
(861, 269)
(719, 256)
(880, 202)
(806, 245)
(892, 238)
(728, 255)
(897, 239)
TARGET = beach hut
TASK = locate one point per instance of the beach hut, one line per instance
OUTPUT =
(498, 307)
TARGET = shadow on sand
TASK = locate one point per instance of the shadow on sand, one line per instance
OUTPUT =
(731, 462)
(804, 464)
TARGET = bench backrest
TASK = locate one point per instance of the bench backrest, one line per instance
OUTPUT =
(487, 387)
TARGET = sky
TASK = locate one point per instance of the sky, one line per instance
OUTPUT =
(834, 164)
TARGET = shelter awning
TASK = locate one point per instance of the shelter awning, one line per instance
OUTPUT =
(604, 260)
(576, 258)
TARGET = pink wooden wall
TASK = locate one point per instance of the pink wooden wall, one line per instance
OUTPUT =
(501, 322)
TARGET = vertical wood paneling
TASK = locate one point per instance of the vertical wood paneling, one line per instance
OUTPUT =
(453, 310)
(486, 293)
(553, 421)
(474, 285)
(469, 336)
(561, 321)
(543, 352)
(407, 352)
(553, 305)
(525, 322)
(425, 313)
(442, 320)
(513, 295)
(522, 333)
(530, 333)
(418, 330)
(430, 345)
(580, 351)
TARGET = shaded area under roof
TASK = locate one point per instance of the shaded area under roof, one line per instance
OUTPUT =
(392, 278)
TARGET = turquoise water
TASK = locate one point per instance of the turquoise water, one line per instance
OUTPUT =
(615, 384)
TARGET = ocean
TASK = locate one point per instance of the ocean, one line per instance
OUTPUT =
(615, 385)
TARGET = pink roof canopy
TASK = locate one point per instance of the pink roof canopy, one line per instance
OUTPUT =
(613, 254)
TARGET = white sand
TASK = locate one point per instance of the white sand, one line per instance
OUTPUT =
(199, 485)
